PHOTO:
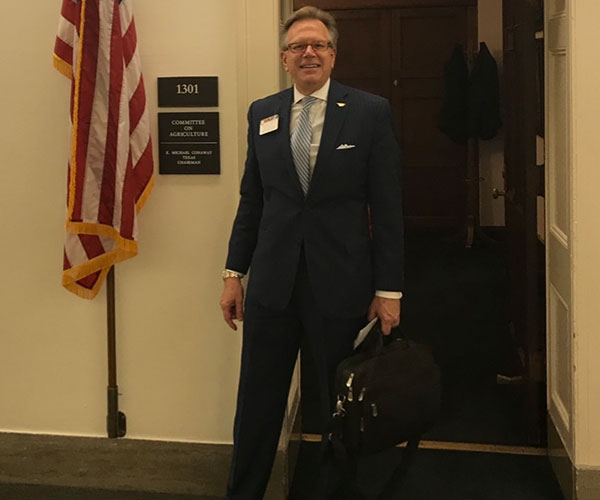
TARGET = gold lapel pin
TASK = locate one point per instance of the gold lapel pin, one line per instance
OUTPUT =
(341, 104)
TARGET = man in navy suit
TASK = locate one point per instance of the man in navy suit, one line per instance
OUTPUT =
(321, 158)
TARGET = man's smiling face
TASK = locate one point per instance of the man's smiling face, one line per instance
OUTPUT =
(309, 70)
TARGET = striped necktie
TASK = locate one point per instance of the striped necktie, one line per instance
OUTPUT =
(300, 143)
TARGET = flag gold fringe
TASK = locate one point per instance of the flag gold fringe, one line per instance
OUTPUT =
(126, 249)
(75, 119)
(63, 66)
(70, 284)
(145, 194)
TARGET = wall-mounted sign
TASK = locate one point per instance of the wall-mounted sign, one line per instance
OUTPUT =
(188, 91)
(189, 143)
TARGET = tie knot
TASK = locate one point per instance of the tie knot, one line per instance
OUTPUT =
(308, 101)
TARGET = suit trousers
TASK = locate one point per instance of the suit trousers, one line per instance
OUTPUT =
(271, 341)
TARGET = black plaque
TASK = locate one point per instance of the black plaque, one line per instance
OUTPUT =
(189, 143)
(188, 91)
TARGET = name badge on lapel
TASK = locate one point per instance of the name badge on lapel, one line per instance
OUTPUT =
(269, 124)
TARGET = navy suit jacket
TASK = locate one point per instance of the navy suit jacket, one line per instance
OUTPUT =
(274, 218)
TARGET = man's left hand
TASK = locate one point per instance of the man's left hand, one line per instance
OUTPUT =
(388, 311)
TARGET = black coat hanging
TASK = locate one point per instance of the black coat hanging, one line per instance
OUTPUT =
(483, 97)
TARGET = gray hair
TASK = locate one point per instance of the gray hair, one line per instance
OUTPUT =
(309, 12)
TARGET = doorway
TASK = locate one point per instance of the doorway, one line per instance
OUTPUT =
(480, 306)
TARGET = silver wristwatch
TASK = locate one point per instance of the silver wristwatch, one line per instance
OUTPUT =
(227, 273)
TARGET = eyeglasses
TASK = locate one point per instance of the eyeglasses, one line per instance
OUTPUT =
(300, 48)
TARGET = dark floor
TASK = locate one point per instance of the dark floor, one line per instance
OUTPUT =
(456, 301)
(451, 475)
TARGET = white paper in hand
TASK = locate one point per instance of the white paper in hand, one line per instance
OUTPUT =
(362, 334)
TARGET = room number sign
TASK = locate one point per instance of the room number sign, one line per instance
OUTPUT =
(188, 92)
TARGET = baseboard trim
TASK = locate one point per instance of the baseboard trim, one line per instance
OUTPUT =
(126, 464)
(453, 446)
(587, 484)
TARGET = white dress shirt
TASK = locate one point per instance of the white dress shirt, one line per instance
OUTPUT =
(317, 118)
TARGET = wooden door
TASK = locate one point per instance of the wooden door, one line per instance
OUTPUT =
(559, 119)
(400, 54)
(434, 167)
(523, 178)
(363, 60)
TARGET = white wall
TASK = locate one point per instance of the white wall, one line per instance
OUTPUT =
(586, 233)
(177, 361)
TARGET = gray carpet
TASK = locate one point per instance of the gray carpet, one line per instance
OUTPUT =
(39, 492)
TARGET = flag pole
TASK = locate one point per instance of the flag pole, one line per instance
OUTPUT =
(116, 423)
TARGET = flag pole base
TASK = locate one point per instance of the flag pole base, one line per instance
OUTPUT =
(116, 421)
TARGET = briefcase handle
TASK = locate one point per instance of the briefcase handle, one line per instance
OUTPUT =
(376, 340)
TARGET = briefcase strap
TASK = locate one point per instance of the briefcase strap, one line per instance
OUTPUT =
(345, 460)
(346, 464)
(399, 474)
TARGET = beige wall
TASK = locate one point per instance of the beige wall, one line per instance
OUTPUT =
(178, 363)
(586, 229)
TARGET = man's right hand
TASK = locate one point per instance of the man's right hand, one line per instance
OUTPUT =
(232, 301)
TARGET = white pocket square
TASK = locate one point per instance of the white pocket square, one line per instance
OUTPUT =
(346, 146)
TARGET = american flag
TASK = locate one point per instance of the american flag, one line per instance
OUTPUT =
(111, 167)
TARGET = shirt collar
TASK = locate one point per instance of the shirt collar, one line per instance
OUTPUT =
(319, 94)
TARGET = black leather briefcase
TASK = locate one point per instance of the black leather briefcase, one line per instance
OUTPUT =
(388, 392)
